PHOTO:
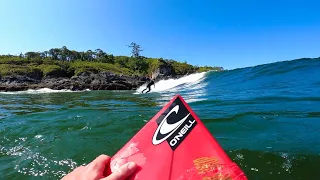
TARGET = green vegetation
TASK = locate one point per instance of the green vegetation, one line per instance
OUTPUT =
(71, 62)
(208, 68)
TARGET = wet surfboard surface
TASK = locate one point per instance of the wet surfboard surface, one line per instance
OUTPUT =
(175, 145)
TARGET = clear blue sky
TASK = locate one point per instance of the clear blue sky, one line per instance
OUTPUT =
(225, 33)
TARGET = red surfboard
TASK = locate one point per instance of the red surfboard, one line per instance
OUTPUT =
(175, 145)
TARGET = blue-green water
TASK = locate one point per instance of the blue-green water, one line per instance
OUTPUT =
(267, 118)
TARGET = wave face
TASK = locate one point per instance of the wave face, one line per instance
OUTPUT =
(266, 117)
(190, 86)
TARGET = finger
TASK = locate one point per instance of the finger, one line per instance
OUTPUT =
(72, 173)
(79, 168)
(124, 172)
(99, 163)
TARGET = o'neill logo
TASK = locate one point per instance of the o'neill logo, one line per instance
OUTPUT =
(175, 126)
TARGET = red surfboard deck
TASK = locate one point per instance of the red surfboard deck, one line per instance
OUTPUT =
(175, 145)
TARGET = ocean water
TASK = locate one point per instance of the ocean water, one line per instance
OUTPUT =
(267, 118)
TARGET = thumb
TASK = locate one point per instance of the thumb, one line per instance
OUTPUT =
(99, 163)
(124, 171)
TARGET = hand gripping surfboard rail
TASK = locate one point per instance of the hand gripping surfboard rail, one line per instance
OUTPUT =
(175, 145)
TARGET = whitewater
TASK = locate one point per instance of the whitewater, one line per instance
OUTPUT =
(171, 85)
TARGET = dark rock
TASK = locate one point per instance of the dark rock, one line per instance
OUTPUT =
(36, 74)
(18, 79)
(163, 71)
(58, 80)
(59, 73)
(13, 87)
(85, 74)
(144, 79)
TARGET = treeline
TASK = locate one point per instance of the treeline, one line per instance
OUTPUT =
(64, 54)
(74, 62)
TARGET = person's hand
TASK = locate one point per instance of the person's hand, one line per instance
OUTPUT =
(95, 170)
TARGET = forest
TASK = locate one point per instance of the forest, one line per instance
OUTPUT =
(71, 62)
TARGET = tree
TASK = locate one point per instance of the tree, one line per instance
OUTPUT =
(44, 54)
(54, 53)
(100, 55)
(74, 55)
(89, 55)
(135, 50)
(31, 54)
(65, 53)
(109, 58)
(137, 59)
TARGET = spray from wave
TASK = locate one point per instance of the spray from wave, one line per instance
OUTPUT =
(40, 91)
(192, 87)
(171, 85)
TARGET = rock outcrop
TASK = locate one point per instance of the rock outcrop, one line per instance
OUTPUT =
(163, 72)
(84, 80)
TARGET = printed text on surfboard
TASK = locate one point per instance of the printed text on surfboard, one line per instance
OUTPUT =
(174, 125)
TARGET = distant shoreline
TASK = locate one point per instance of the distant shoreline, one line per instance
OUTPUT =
(82, 82)
(61, 68)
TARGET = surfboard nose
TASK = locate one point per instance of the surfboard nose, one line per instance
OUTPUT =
(185, 149)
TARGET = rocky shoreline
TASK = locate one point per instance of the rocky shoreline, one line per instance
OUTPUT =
(83, 81)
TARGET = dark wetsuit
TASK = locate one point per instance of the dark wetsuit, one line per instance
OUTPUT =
(148, 86)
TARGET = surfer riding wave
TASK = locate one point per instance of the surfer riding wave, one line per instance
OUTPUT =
(149, 86)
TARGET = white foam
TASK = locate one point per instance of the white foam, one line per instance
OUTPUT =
(40, 165)
(41, 91)
(38, 136)
(191, 87)
(172, 84)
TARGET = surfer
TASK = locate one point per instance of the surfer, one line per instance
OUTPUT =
(149, 85)
(97, 168)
